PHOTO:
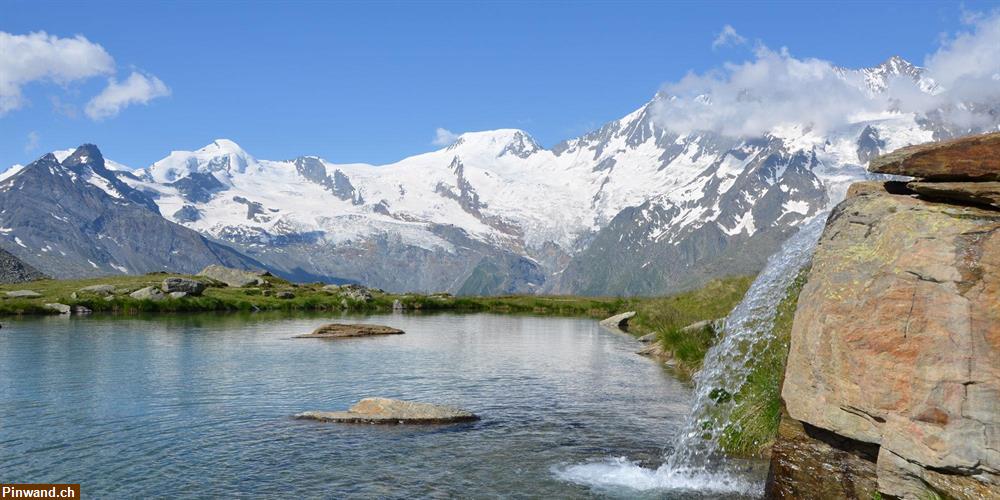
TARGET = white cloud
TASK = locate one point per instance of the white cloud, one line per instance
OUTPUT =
(728, 36)
(43, 57)
(137, 89)
(774, 88)
(444, 137)
(40, 57)
(32, 143)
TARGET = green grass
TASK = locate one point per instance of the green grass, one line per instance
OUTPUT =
(308, 297)
(753, 424)
(667, 316)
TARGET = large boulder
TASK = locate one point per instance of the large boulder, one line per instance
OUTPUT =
(236, 278)
(343, 330)
(896, 340)
(149, 293)
(185, 285)
(103, 290)
(392, 411)
(975, 158)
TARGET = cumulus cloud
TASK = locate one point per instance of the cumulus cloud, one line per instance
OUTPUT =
(32, 142)
(444, 137)
(728, 36)
(137, 89)
(775, 88)
(43, 57)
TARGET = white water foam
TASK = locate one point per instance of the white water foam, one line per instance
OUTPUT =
(622, 473)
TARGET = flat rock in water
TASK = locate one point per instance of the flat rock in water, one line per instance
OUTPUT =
(973, 158)
(392, 411)
(346, 330)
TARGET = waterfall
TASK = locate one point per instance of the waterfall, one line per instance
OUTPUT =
(695, 462)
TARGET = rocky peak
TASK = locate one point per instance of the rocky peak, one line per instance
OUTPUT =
(86, 154)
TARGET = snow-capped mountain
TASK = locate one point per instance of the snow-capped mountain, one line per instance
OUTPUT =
(629, 208)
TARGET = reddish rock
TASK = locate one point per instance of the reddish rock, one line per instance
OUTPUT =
(975, 158)
(896, 341)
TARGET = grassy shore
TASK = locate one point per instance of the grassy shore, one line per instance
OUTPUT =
(653, 314)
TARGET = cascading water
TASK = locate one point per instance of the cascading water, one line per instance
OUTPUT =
(696, 463)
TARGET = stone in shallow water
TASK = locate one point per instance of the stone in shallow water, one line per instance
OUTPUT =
(973, 158)
(392, 411)
(344, 330)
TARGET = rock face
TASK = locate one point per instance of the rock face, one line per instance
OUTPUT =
(896, 339)
(237, 278)
(392, 411)
(12, 270)
(343, 330)
(967, 158)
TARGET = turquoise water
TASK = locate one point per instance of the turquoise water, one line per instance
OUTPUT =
(201, 406)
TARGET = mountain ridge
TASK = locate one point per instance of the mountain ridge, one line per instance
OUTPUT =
(630, 208)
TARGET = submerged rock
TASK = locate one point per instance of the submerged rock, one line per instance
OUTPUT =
(236, 278)
(618, 321)
(344, 330)
(148, 293)
(392, 411)
(23, 294)
(185, 285)
(973, 158)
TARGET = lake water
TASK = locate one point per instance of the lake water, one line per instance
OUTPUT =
(202, 405)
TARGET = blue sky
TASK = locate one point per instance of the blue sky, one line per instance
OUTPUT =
(371, 82)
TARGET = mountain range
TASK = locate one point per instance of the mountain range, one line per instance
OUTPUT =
(630, 208)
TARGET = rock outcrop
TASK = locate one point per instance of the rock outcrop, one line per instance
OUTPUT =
(392, 411)
(618, 321)
(964, 159)
(344, 330)
(895, 346)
